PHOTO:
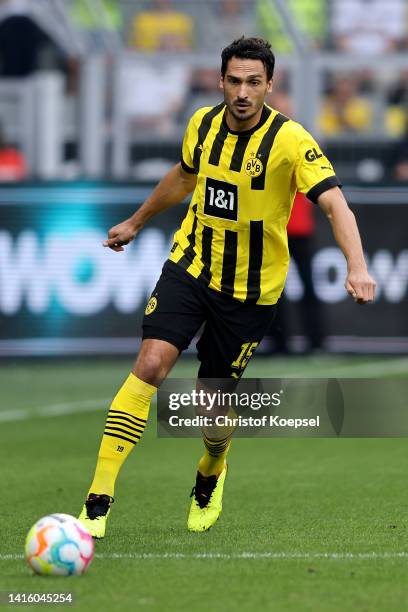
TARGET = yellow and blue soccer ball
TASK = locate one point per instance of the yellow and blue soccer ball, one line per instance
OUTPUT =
(59, 545)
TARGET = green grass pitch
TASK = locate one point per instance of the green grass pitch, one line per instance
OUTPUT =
(314, 525)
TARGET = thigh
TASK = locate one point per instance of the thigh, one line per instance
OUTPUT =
(175, 311)
(232, 332)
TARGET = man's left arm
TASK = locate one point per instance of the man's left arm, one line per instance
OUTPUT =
(359, 284)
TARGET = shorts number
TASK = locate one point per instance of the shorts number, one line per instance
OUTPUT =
(245, 355)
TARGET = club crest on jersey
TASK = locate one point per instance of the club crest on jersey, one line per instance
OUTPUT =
(253, 166)
(151, 305)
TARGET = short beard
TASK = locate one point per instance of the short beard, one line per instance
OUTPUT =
(240, 117)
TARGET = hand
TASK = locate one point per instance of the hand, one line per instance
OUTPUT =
(120, 235)
(360, 286)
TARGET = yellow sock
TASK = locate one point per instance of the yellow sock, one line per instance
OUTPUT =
(125, 423)
(213, 460)
(216, 449)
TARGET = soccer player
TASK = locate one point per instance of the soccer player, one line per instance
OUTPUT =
(244, 161)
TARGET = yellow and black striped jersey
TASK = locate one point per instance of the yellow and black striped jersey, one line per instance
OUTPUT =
(234, 236)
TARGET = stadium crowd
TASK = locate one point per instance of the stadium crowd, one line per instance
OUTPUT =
(356, 102)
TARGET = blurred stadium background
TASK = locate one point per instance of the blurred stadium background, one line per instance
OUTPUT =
(94, 98)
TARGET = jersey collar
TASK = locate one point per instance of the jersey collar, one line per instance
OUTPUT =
(264, 116)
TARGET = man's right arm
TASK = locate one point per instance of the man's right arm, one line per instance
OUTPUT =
(176, 185)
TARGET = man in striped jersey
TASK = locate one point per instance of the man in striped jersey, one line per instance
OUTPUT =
(244, 162)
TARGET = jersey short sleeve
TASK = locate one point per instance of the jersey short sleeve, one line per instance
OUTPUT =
(314, 173)
(189, 144)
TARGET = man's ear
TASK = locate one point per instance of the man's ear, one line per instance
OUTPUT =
(221, 83)
(269, 86)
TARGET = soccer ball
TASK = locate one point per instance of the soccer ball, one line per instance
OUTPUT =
(59, 545)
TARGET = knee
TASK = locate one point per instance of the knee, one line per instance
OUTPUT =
(151, 367)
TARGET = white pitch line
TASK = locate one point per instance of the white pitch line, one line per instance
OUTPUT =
(70, 407)
(61, 409)
(341, 556)
(252, 555)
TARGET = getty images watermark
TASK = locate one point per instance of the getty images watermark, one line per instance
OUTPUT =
(221, 409)
(283, 408)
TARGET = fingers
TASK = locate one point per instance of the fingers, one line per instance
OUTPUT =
(354, 291)
(115, 244)
(371, 291)
(361, 292)
(351, 290)
(119, 236)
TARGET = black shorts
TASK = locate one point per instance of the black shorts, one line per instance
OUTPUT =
(180, 305)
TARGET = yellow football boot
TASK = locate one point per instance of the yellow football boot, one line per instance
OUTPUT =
(206, 505)
(95, 514)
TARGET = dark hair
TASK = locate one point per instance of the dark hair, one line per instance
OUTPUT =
(249, 48)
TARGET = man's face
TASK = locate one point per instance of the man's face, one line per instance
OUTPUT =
(245, 86)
